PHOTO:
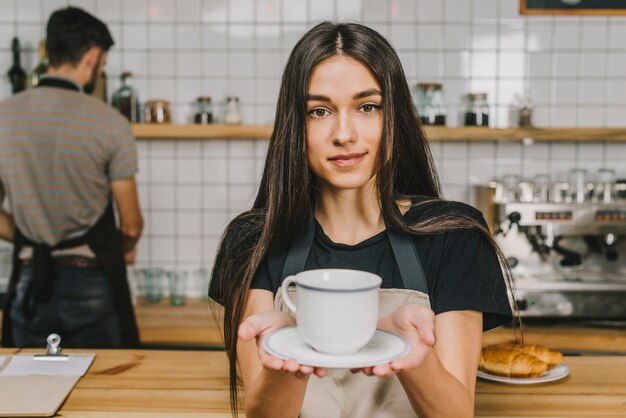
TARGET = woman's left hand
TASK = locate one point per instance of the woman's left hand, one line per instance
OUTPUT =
(416, 324)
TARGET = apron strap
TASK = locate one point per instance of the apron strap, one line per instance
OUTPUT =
(407, 259)
(299, 248)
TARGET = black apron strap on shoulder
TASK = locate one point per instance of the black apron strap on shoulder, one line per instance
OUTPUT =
(408, 260)
(299, 249)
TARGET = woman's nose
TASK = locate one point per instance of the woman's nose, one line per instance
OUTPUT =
(345, 131)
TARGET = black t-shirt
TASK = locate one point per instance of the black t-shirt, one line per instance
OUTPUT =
(462, 270)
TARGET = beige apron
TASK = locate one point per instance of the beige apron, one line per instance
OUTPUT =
(342, 394)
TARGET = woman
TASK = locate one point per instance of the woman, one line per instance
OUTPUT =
(347, 160)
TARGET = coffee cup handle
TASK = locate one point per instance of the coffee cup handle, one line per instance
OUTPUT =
(285, 291)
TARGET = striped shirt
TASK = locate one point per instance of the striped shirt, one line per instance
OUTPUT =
(59, 151)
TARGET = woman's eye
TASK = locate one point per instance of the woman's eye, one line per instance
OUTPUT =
(369, 107)
(318, 113)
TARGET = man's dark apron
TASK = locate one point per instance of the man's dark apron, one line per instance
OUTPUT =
(105, 241)
(342, 394)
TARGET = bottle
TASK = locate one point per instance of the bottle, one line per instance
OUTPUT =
(100, 90)
(430, 105)
(520, 113)
(42, 67)
(204, 111)
(526, 113)
(477, 110)
(514, 111)
(232, 115)
(125, 99)
(17, 76)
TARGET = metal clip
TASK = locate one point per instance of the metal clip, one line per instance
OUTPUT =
(53, 352)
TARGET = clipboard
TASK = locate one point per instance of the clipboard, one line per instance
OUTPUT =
(37, 385)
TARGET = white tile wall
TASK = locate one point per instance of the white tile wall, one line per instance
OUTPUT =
(574, 69)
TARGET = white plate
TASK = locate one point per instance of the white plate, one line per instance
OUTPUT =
(287, 344)
(559, 372)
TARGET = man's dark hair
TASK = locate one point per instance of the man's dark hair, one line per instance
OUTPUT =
(71, 32)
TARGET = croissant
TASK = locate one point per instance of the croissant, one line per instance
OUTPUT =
(508, 362)
(542, 352)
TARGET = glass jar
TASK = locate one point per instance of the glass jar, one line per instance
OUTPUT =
(510, 188)
(560, 192)
(232, 114)
(476, 110)
(603, 190)
(520, 113)
(157, 111)
(525, 116)
(578, 184)
(126, 100)
(430, 105)
(204, 111)
(541, 188)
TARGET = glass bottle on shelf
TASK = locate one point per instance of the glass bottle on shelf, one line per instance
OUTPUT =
(514, 111)
(525, 118)
(430, 105)
(477, 110)
(16, 74)
(232, 114)
(126, 100)
(204, 111)
(521, 113)
(42, 67)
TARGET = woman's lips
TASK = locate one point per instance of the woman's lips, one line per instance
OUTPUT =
(347, 160)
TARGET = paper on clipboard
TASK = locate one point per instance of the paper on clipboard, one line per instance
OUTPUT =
(34, 396)
(25, 365)
(35, 388)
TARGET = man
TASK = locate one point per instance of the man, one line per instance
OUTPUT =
(64, 157)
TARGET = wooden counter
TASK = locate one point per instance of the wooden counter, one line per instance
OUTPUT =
(569, 338)
(193, 324)
(144, 383)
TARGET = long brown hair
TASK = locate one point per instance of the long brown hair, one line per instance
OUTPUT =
(286, 195)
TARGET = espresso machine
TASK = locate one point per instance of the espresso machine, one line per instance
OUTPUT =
(564, 242)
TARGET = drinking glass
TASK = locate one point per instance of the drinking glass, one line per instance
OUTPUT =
(178, 286)
(153, 284)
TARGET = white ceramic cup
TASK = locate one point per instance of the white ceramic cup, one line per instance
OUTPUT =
(337, 309)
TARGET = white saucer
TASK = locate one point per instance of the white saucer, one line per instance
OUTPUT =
(557, 373)
(287, 344)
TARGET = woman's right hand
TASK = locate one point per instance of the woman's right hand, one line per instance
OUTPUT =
(258, 326)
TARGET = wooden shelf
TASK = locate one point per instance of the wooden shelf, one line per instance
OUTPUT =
(434, 133)
(525, 134)
(168, 131)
